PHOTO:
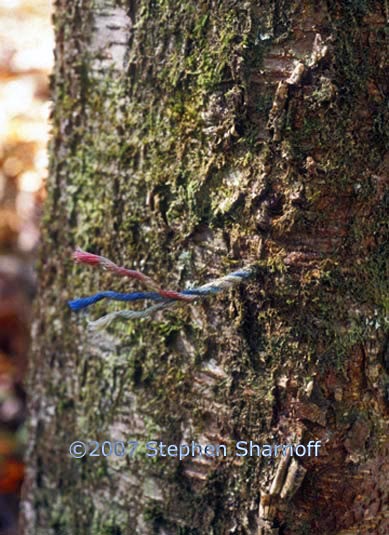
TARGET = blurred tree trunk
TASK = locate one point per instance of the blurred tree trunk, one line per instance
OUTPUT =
(189, 138)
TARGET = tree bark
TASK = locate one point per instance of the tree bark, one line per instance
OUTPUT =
(190, 138)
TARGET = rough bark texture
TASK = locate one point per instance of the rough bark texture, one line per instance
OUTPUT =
(191, 137)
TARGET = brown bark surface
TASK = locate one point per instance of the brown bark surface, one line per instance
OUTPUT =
(191, 138)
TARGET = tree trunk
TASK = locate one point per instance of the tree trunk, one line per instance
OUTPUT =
(190, 138)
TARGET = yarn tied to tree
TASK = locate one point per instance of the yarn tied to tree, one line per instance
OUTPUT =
(164, 298)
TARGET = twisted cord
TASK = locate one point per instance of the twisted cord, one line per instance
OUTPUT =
(191, 294)
(106, 320)
(83, 257)
(211, 288)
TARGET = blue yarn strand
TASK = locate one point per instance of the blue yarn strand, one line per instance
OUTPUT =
(83, 302)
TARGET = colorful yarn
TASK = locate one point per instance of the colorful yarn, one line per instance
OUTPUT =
(211, 288)
(82, 257)
(167, 298)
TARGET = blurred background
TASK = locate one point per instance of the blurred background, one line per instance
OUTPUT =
(26, 57)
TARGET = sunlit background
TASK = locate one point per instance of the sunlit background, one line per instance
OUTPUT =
(26, 44)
